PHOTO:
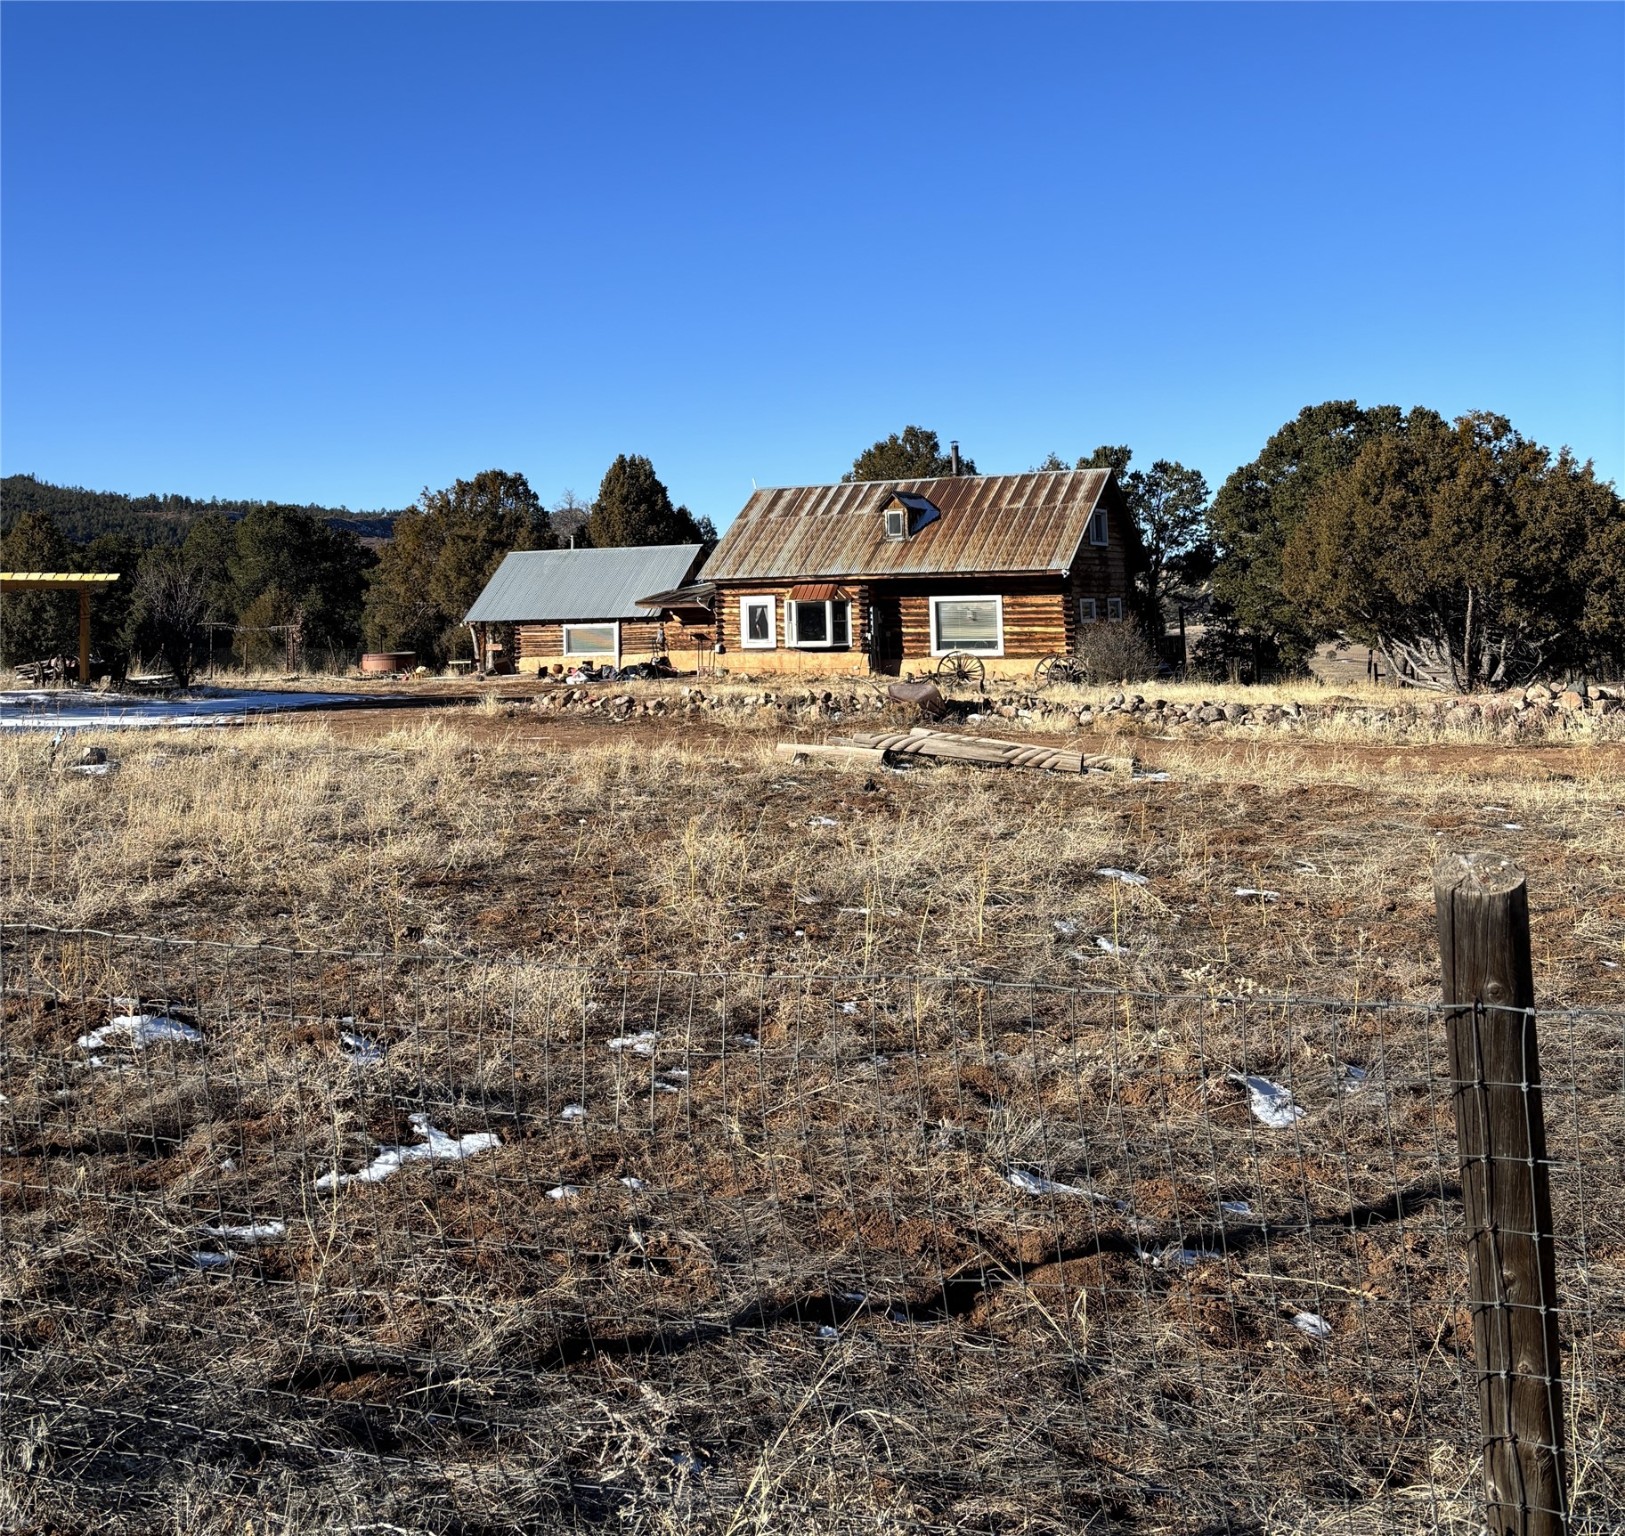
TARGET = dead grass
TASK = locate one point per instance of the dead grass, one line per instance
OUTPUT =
(454, 1350)
(646, 845)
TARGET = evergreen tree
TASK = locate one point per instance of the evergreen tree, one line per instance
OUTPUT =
(443, 553)
(915, 453)
(1463, 552)
(37, 625)
(633, 507)
(1259, 505)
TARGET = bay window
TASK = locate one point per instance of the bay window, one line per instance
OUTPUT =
(818, 625)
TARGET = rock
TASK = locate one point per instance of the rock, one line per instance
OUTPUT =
(1537, 693)
(1569, 701)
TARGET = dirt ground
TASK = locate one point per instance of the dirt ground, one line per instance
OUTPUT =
(945, 1210)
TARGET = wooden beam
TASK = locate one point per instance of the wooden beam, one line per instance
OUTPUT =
(839, 754)
(1482, 906)
(20, 579)
(84, 637)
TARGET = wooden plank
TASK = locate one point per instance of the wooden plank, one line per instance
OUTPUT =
(838, 754)
(1482, 905)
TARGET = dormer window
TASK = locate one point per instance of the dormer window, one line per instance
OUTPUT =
(907, 513)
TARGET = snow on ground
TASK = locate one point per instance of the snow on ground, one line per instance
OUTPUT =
(67, 709)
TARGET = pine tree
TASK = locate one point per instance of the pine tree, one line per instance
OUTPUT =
(634, 508)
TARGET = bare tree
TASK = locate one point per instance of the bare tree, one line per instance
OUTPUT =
(171, 600)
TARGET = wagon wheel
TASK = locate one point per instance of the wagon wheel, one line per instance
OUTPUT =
(1053, 669)
(961, 667)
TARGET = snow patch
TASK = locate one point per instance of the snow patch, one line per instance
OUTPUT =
(1036, 1184)
(1125, 876)
(1272, 1104)
(252, 1232)
(138, 1031)
(436, 1147)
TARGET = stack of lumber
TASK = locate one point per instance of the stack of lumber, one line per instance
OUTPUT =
(873, 748)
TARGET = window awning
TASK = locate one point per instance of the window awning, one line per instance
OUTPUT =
(816, 592)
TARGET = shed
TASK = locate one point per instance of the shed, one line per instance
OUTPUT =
(883, 575)
(575, 606)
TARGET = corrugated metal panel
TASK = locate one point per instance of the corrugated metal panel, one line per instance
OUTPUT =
(700, 594)
(1007, 523)
(550, 586)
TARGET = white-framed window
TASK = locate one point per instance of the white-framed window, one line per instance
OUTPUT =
(1114, 609)
(593, 642)
(896, 522)
(1088, 610)
(757, 630)
(818, 625)
(967, 624)
(1099, 533)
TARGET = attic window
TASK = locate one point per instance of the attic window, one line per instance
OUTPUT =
(906, 514)
(1097, 529)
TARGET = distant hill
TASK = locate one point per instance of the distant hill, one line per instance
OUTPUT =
(84, 515)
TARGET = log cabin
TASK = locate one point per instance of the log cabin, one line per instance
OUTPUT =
(897, 575)
(563, 608)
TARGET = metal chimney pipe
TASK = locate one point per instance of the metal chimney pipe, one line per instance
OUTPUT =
(953, 458)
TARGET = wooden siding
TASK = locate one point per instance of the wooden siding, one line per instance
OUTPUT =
(728, 620)
(1099, 573)
(541, 645)
(1034, 615)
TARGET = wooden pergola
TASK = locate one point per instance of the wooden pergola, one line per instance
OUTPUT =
(85, 581)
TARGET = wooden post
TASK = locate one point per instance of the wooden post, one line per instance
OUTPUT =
(1489, 994)
(84, 637)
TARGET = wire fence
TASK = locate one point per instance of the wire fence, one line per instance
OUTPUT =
(311, 1240)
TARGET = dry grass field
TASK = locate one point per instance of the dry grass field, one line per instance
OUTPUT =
(944, 1212)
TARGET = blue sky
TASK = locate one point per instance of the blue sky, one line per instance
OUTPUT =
(339, 253)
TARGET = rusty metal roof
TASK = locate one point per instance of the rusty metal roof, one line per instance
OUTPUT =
(989, 523)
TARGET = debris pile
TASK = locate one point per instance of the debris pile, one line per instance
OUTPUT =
(872, 749)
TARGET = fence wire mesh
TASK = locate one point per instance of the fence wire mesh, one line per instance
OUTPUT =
(323, 1241)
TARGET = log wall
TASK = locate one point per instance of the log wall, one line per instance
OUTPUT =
(1099, 573)
(540, 646)
(1040, 615)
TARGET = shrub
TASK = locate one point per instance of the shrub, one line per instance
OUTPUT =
(1115, 653)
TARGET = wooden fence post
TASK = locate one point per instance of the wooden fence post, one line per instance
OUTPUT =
(1489, 995)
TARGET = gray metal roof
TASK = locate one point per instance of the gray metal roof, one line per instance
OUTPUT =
(542, 586)
(988, 523)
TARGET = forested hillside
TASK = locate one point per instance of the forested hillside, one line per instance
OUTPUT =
(82, 515)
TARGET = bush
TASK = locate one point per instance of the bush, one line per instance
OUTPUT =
(1115, 653)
